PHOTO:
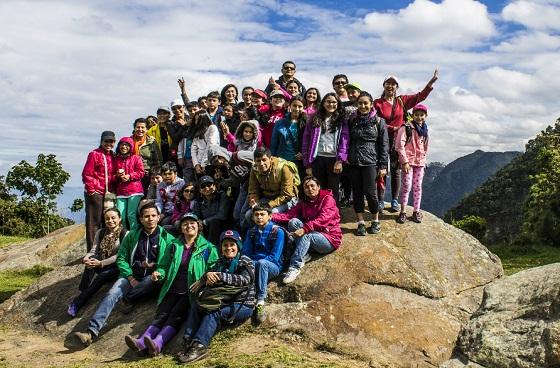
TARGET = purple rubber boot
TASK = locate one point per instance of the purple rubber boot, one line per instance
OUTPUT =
(155, 345)
(138, 344)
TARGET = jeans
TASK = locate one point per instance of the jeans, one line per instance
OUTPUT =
(240, 202)
(263, 271)
(314, 240)
(89, 287)
(202, 326)
(128, 207)
(121, 288)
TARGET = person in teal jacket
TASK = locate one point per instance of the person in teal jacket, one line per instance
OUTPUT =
(184, 262)
(140, 253)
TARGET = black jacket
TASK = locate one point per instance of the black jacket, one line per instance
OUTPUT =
(369, 142)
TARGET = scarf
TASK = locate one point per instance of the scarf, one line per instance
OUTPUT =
(107, 244)
(421, 130)
(228, 266)
(138, 144)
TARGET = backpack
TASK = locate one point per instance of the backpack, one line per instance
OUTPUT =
(287, 248)
(293, 168)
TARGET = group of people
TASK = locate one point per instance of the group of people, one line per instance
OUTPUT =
(274, 165)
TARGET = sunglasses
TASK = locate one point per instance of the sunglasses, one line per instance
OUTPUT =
(176, 108)
(189, 191)
(290, 67)
(206, 185)
(340, 83)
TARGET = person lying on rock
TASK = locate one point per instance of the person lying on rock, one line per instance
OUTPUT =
(138, 255)
(315, 224)
(184, 262)
(227, 298)
(100, 260)
(264, 244)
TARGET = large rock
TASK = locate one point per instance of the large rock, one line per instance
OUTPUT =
(397, 299)
(517, 324)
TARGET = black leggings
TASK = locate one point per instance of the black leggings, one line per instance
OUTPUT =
(363, 183)
(92, 280)
(172, 310)
(323, 170)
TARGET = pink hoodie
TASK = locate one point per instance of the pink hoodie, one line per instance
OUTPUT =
(132, 165)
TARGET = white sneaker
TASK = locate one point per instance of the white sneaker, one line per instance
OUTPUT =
(291, 275)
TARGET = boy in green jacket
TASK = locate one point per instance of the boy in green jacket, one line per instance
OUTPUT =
(139, 254)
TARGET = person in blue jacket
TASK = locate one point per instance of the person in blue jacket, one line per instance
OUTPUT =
(264, 244)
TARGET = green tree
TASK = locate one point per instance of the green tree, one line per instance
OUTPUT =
(474, 225)
(38, 187)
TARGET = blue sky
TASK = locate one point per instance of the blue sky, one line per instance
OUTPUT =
(69, 70)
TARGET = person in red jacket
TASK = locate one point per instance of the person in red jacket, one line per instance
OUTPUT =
(314, 222)
(130, 171)
(98, 177)
(392, 108)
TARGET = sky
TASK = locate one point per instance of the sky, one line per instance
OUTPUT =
(69, 70)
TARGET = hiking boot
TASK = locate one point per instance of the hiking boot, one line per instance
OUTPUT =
(72, 310)
(85, 338)
(395, 206)
(291, 275)
(259, 315)
(374, 228)
(402, 218)
(361, 231)
(417, 217)
(187, 342)
(196, 352)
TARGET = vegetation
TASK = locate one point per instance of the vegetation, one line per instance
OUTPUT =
(7, 240)
(521, 203)
(14, 281)
(517, 258)
(474, 225)
(32, 211)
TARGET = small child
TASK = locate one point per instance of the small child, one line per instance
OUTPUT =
(167, 192)
(155, 179)
(412, 147)
(246, 138)
(130, 171)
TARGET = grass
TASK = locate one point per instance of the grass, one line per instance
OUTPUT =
(515, 259)
(7, 240)
(14, 281)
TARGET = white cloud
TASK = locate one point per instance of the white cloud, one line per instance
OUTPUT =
(451, 24)
(529, 42)
(503, 83)
(543, 15)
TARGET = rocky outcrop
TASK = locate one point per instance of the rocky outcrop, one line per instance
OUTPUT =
(397, 299)
(517, 324)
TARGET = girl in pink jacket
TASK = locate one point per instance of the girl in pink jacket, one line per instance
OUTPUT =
(411, 145)
(130, 171)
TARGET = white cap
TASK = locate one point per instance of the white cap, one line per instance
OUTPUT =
(177, 102)
(391, 77)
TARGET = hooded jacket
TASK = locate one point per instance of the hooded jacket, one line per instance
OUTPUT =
(369, 143)
(414, 152)
(275, 184)
(284, 143)
(237, 143)
(199, 147)
(321, 215)
(93, 174)
(310, 143)
(132, 165)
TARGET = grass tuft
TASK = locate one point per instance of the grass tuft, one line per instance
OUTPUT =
(14, 281)
(515, 259)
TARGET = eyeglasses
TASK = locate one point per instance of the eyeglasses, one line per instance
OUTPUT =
(189, 191)
(290, 68)
(206, 185)
(340, 82)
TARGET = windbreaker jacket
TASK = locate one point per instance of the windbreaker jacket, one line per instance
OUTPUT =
(93, 174)
(150, 154)
(369, 142)
(413, 152)
(132, 165)
(203, 257)
(321, 215)
(310, 143)
(199, 147)
(276, 184)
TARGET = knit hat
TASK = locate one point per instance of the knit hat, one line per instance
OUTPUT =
(107, 135)
(420, 107)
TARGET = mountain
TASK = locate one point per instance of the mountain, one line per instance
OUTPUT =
(521, 202)
(446, 185)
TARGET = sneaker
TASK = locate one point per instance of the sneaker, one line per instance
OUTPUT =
(259, 315)
(72, 310)
(374, 228)
(402, 218)
(291, 275)
(85, 338)
(395, 206)
(361, 231)
(187, 342)
(196, 352)
(417, 217)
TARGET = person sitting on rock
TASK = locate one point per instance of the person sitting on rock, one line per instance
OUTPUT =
(184, 262)
(100, 260)
(236, 274)
(271, 183)
(314, 222)
(138, 255)
(264, 244)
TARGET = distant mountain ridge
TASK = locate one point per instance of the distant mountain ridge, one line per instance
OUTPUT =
(444, 186)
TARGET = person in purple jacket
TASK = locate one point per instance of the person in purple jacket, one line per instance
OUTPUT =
(325, 143)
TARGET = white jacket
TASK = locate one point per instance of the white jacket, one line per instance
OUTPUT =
(199, 147)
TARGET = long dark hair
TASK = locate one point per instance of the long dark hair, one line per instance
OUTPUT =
(202, 122)
(317, 102)
(336, 117)
(302, 119)
(223, 98)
